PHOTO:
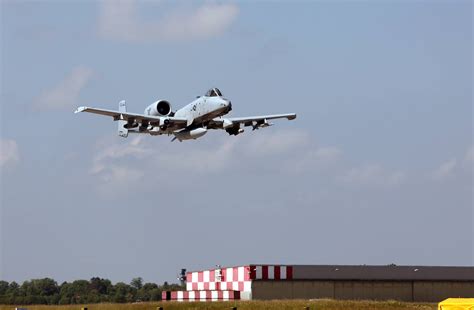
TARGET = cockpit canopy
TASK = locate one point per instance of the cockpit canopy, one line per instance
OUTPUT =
(214, 92)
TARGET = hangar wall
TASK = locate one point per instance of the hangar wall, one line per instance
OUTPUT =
(416, 291)
(436, 291)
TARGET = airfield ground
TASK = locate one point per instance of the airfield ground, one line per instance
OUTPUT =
(247, 305)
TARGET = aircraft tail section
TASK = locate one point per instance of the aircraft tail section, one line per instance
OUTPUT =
(122, 130)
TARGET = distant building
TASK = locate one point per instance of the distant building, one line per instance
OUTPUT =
(405, 283)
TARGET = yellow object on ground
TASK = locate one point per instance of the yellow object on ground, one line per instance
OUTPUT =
(457, 304)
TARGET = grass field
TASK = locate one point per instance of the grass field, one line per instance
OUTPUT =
(245, 305)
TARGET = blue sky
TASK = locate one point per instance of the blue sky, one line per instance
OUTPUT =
(376, 169)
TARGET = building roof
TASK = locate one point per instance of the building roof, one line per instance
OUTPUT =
(260, 272)
(387, 272)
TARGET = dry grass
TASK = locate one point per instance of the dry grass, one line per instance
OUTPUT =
(321, 304)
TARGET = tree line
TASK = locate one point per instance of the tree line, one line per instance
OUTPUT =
(48, 292)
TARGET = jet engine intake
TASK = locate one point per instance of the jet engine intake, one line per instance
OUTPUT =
(159, 108)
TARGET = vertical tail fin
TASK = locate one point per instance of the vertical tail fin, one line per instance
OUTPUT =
(122, 131)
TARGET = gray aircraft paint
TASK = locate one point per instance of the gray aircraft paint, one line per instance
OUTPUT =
(190, 122)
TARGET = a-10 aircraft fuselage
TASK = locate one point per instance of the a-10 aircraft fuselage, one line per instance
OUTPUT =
(205, 109)
(190, 122)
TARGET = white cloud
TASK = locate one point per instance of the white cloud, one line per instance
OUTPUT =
(117, 166)
(200, 159)
(326, 153)
(120, 20)
(204, 156)
(285, 152)
(456, 167)
(9, 154)
(372, 175)
(315, 158)
(66, 93)
(445, 170)
(276, 141)
(121, 175)
(469, 157)
(132, 159)
(106, 157)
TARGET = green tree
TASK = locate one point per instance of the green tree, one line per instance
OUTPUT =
(3, 287)
(13, 289)
(45, 287)
(80, 289)
(122, 292)
(137, 283)
(155, 294)
(144, 294)
(66, 292)
(47, 291)
(149, 286)
(64, 300)
(27, 289)
(101, 286)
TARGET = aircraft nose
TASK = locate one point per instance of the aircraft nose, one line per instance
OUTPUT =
(227, 104)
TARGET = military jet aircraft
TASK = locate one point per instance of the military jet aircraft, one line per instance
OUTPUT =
(190, 122)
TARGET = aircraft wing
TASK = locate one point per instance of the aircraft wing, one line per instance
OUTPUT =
(242, 120)
(139, 118)
(255, 121)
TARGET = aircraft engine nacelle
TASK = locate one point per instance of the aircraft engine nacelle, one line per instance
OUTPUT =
(159, 108)
(190, 134)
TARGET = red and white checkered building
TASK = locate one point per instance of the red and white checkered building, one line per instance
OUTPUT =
(227, 283)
